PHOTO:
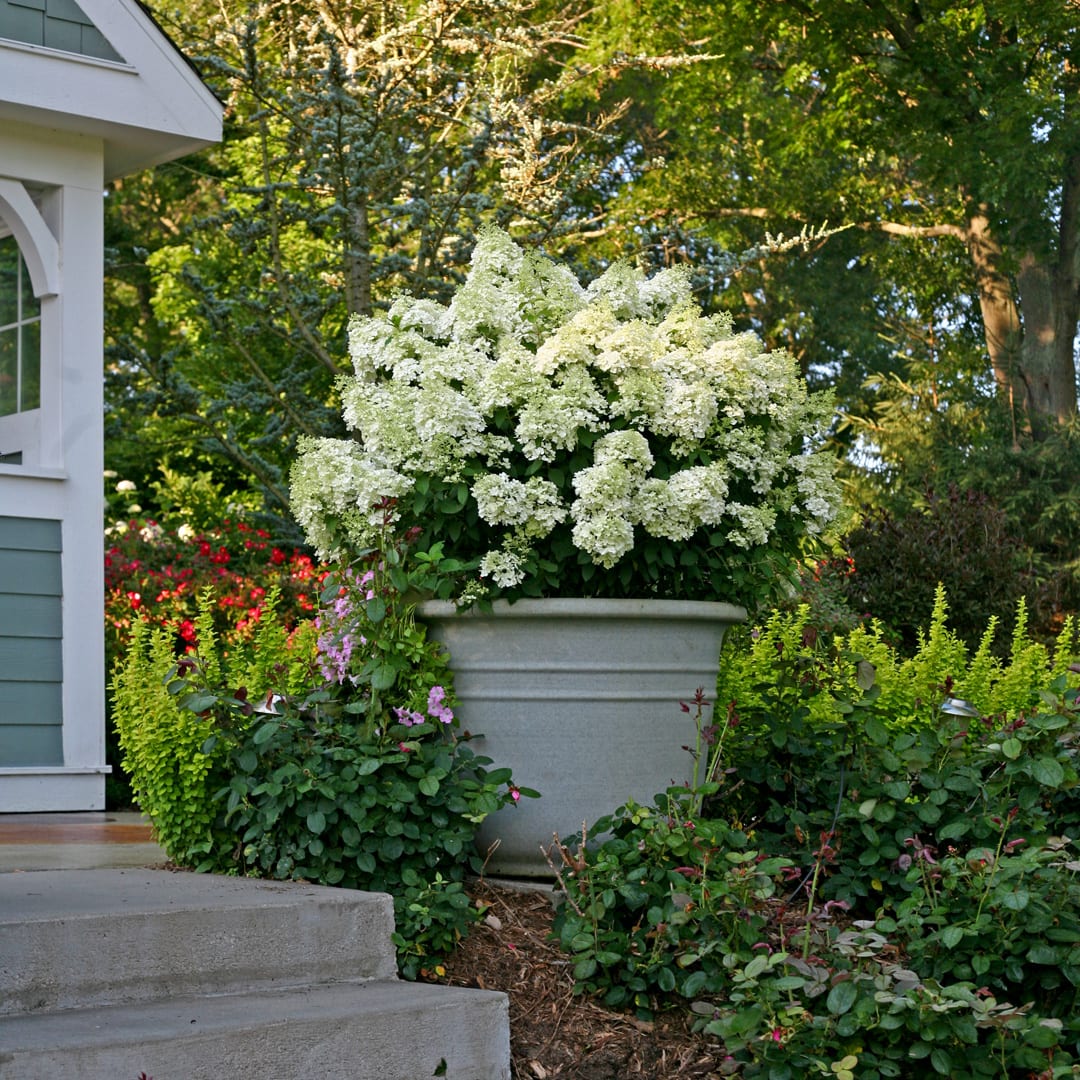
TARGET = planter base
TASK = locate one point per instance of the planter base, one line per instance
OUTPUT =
(581, 699)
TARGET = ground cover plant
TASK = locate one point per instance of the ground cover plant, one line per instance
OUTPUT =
(870, 878)
(328, 753)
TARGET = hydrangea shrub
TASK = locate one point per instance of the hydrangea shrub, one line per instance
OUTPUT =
(560, 439)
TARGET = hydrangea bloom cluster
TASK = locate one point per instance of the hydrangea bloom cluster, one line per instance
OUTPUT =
(535, 423)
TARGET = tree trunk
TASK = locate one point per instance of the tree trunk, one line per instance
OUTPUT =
(1032, 357)
(1050, 301)
(1001, 318)
(357, 257)
(1049, 304)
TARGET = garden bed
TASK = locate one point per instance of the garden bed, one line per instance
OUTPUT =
(552, 1032)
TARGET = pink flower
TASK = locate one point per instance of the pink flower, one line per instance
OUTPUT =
(435, 706)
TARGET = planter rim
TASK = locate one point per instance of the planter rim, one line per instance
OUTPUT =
(561, 607)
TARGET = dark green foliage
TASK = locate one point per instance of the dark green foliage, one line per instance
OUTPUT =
(869, 891)
(309, 797)
(656, 907)
(959, 539)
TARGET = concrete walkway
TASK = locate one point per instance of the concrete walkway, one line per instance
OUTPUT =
(91, 840)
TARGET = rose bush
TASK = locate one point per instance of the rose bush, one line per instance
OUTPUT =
(157, 574)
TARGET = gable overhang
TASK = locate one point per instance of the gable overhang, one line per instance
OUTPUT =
(150, 108)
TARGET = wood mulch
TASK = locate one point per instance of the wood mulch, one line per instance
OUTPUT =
(552, 1032)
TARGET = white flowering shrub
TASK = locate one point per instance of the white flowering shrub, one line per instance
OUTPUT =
(609, 440)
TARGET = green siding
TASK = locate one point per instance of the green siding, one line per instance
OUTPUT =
(29, 659)
(56, 24)
(31, 632)
(33, 616)
(34, 703)
(36, 533)
(30, 573)
(22, 745)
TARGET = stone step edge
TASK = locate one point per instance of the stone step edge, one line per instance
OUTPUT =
(69, 938)
(370, 1030)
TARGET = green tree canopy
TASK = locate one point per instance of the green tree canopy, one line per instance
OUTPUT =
(365, 143)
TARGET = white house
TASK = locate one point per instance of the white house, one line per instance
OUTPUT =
(88, 92)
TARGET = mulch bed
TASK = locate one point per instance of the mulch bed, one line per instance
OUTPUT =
(552, 1032)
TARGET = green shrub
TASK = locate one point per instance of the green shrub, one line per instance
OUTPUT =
(329, 754)
(875, 879)
(787, 663)
(161, 742)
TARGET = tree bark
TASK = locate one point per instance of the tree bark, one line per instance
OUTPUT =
(1000, 314)
(1031, 322)
(1050, 303)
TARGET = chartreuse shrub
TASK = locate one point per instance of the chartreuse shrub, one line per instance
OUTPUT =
(860, 887)
(824, 669)
(329, 755)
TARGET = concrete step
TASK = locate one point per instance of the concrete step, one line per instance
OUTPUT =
(79, 938)
(374, 1030)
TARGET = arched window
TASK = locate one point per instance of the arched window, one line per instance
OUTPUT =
(20, 334)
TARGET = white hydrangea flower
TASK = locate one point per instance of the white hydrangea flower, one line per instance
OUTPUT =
(687, 414)
(523, 362)
(640, 396)
(429, 319)
(633, 344)
(677, 507)
(374, 410)
(503, 567)
(618, 288)
(549, 421)
(755, 524)
(608, 485)
(508, 380)
(577, 341)
(604, 537)
(629, 448)
(665, 291)
(500, 499)
(661, 514)
(333, 478)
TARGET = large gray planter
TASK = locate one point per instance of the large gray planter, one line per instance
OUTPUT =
(581, 699)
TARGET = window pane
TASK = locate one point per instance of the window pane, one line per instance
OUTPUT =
(9, 370)
(9, 281)
(31, 366)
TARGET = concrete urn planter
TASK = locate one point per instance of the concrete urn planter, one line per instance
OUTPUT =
(581, 699)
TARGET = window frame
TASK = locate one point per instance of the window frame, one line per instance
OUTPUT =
(30, 441)
(23, 289)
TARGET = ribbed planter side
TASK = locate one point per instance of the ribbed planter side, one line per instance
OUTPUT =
(581, 699)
